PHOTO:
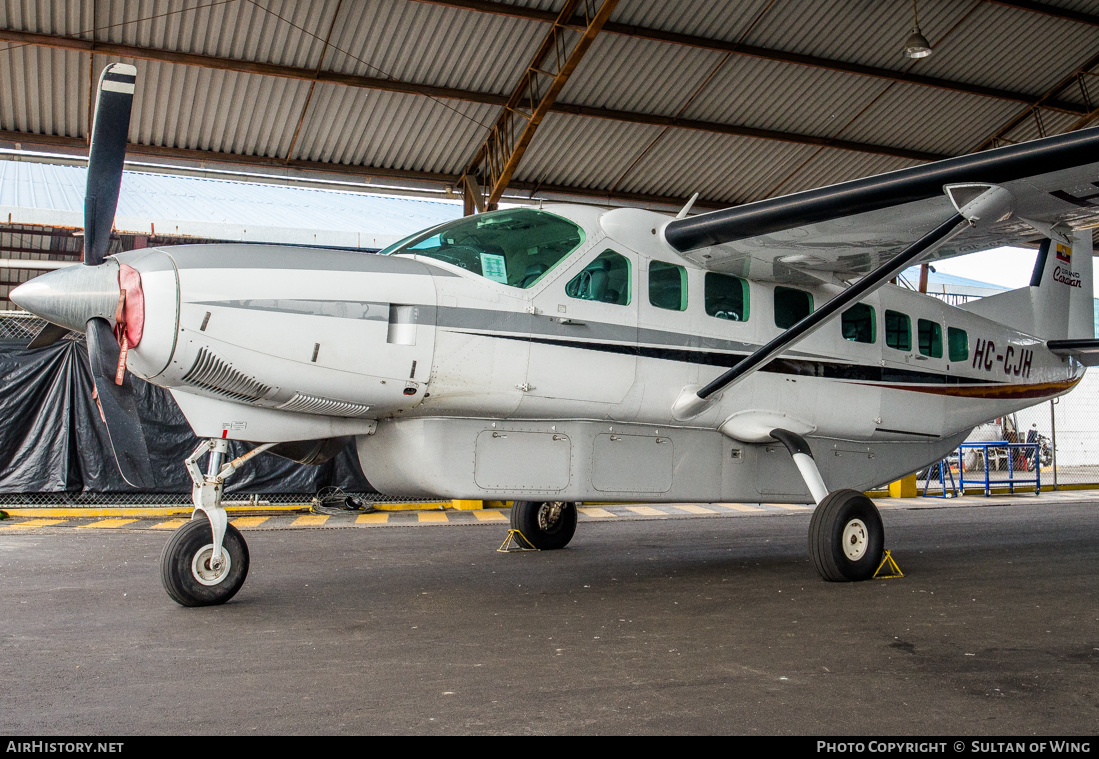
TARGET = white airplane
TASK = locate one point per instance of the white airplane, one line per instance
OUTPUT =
(565, 354)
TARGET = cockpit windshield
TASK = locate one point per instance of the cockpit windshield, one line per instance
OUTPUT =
(515, 247)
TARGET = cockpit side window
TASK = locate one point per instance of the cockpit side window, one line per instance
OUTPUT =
(515, 247)
(606, 279)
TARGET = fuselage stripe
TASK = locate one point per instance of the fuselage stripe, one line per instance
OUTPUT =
(859, 373)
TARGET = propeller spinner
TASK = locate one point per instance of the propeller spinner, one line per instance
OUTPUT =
(90, 298)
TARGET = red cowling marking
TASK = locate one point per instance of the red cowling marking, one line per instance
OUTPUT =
(133, 317)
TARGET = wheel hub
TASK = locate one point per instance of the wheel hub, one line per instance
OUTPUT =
(855, 539)
(205, 570)
(549, 515)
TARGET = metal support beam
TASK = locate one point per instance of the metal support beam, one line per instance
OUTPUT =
(534, 96)
(1049, 10)
(202, 159)
(1084, 69)
(763, 53)
(447, 93)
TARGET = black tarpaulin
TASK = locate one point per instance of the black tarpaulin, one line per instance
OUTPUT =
(52, 438)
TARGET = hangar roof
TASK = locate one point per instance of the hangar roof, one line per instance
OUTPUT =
(735, 99)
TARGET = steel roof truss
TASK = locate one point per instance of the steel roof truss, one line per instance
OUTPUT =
(550, 68)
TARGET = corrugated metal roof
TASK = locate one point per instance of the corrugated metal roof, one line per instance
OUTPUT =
(46, 194)
(283, 120)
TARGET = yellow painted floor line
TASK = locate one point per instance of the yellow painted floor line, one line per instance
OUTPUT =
(432, 516)
(646, 511)
(108, 523)
(381, 518)
(791, 506)
(593, 511)
(246, 522)
(310, 520)
(433, 505)
(740, 507)
(32, 523)
(171, 524)
(137, 511)
(690, 508)
(489, 515)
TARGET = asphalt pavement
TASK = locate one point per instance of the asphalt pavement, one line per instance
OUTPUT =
(700, 624)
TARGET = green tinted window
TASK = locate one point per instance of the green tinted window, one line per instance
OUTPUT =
(958, 344)
(858, 324)
(726, 297)
(667, 286)
(791, 306)
(606, 279)
(898, 331)
(931, 338)
(514, 247)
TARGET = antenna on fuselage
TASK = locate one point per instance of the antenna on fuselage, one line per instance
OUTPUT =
(687, 208)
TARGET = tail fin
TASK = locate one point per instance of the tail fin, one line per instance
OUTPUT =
(1058, 304)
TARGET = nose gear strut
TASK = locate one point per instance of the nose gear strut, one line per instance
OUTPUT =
(206, 490)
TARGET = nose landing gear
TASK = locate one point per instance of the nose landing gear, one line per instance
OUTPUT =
(206, 561)
(188, 571)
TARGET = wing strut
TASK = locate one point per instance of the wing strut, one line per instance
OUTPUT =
(989, 203)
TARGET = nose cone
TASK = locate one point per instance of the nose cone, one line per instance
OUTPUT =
(71, 296)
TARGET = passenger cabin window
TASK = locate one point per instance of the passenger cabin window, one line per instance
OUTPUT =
(898, 331)
(606, 279)
(726, 297)
(667, 286)
(931, 338)
(515, 247)
(858, 324)
(957, 344)
(791, 306)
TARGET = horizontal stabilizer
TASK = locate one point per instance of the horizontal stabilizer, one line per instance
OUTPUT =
(1084, 351)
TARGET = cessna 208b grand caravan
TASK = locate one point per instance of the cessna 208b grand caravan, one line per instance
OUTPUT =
(570, 353)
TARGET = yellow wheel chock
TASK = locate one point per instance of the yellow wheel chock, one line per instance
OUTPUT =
(515, 541)
(893, 570)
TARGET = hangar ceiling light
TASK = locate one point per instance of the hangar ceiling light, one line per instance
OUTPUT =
(916, 46)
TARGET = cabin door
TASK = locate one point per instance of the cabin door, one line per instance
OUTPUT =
(584, 330)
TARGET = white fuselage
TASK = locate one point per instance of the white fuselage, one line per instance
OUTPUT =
(460, 386)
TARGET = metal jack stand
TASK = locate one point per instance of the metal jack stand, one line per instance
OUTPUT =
(893, 569)
(206, 490)
(515, 541)
(944, 469)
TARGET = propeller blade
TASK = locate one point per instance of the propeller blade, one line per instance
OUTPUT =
(109, 132)
(48, 335)
(118, 406)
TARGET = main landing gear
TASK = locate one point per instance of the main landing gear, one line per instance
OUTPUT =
(546, 525)
(206, 561)
(846, 536)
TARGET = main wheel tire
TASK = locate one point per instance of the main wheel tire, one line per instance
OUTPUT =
(185, 568)
(846, 537)
(548, 525)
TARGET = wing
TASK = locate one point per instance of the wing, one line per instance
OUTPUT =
(849, 229)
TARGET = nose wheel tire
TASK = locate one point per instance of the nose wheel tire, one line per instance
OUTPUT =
(548, 525)
(188, 572)
(846, 537)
